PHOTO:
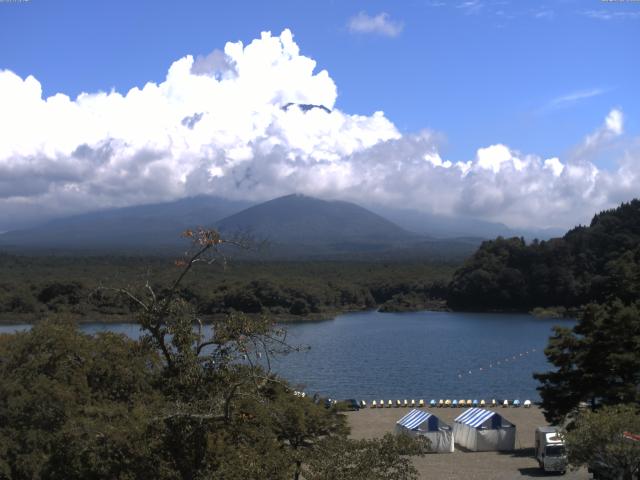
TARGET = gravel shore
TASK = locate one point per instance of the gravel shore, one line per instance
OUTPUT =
(369, 423)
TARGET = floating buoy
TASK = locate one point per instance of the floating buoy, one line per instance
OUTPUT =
(490, 364)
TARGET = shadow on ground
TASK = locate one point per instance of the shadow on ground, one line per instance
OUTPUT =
(520, 452)
(460, 448)
(532, 472)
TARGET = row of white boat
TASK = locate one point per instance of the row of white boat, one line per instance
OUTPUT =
(446, 403)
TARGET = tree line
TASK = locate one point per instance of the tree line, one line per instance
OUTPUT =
(36, 286)
(592, 263)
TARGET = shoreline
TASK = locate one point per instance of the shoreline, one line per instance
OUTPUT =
(282, 318)
(7, 319)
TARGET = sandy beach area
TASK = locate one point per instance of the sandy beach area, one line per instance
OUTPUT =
(369, 423)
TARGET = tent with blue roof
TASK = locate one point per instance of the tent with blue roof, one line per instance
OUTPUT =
(424, 424)
(482, 430)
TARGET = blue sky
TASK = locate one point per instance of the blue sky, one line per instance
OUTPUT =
(539, 77)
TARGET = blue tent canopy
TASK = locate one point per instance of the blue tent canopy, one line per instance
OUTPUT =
(416, 418)
(476, 417)
(418, 423)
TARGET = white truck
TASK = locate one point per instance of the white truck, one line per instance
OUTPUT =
(550, 450)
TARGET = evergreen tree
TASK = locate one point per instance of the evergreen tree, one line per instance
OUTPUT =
(598, 361)
(589, 264)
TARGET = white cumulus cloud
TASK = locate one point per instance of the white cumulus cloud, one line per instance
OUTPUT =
(613, 122)
(613, 127)
(257, 121)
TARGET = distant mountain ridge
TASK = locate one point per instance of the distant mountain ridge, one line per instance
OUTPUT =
(295, 226)
(144, 226)
(442, 226)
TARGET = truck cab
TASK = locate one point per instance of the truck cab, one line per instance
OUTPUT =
(550, 450)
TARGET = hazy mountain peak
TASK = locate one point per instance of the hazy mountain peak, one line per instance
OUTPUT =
(302, 219)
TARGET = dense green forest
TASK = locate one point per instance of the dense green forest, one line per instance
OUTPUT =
(588, 264)
(177, 404)
(32, 287)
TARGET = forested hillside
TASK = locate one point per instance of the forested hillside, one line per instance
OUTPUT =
(32, 287)
(588, 264)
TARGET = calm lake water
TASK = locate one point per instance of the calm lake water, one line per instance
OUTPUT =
(372, 355)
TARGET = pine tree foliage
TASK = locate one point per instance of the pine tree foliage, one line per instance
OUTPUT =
(597, 362)
(589, 264)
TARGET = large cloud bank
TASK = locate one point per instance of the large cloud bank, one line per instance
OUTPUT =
(229, 124)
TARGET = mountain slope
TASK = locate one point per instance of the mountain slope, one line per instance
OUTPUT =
(141, 227)
(302, 220)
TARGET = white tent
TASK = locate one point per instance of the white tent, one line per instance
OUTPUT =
(420, 423)
(482, 430)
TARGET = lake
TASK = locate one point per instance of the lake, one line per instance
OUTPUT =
(373, 355)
